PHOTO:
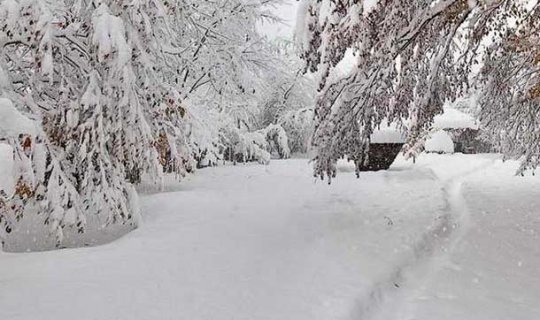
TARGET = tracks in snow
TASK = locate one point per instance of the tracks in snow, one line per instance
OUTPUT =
(386, 297)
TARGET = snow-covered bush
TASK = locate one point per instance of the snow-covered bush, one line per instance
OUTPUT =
(298, 124)
(440, 142)
(204, 138)
(244, 146)
(35, 179)
(289, 99)
(277, 140)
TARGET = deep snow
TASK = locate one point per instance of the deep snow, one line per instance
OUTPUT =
(451, 237)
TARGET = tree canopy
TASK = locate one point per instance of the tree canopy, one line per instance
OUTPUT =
(410, 57)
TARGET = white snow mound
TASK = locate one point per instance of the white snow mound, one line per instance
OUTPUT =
(440, 141)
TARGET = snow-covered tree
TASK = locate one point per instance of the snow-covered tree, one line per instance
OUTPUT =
(121, 89)
(244, 146)
(509, 88)
(90, 73)
(298, 124)
(235, 81)
(288, 100)
(407, 58)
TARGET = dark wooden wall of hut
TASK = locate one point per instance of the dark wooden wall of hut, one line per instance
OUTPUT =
(381, 156)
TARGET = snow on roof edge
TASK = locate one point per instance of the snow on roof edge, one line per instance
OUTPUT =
(455, 119)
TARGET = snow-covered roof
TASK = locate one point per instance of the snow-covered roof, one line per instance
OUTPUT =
(451, 119)
(455, 119)
(388, 134)
(12, 122)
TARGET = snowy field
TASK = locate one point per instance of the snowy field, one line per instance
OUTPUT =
(451, 237)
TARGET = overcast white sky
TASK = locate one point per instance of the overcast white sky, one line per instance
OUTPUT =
(287, 12)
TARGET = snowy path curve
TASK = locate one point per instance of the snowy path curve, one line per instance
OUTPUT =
(269, 243)
(385, 300)
(246, 242)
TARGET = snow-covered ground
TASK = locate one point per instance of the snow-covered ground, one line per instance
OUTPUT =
(451, 237)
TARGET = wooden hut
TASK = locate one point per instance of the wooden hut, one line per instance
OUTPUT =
(385, 145)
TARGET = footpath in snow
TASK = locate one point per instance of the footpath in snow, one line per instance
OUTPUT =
(492, 268)
(451, 237)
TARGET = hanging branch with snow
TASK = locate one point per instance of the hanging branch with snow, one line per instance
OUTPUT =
(405, 66)
(88, 75)
(509, 85)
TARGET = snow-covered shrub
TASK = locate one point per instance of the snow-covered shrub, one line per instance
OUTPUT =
(244, 146)
(35, 179)
(298, 125)
(289, 98)
(203, 132)
(277, 140)
(440, 142)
